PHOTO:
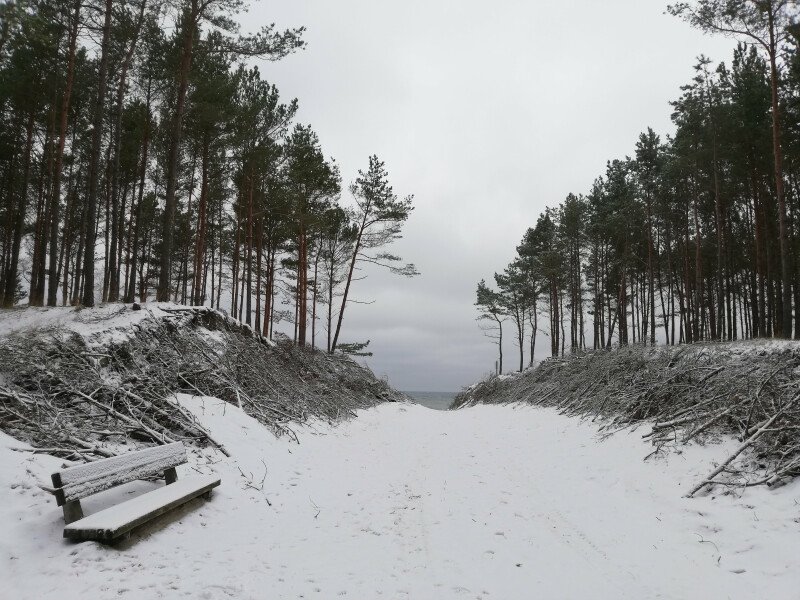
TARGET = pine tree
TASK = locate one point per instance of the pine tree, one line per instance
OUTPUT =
(766, 24)
(490, 307)
(379, 217)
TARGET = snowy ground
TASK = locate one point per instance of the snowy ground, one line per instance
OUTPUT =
(406, 502)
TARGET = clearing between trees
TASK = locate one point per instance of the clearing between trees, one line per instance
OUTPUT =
(331, 491)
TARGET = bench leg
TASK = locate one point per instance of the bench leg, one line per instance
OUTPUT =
(125, 537)
(171, 475)
(72, 511)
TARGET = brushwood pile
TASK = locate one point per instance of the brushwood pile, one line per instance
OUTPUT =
(81, 383)
(692, 393)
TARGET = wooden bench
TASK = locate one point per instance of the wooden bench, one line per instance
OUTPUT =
(75, 483)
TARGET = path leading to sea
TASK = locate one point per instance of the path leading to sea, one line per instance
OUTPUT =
(405, 502)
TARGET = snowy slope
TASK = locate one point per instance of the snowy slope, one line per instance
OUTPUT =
(405, 502)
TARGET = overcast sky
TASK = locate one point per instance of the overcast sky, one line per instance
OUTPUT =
(487, 112)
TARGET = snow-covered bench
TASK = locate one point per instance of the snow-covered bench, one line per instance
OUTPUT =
(75, 483)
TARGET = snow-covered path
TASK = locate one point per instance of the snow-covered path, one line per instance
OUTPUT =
(404, 502)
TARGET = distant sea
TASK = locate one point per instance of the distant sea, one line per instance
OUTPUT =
(434, 400)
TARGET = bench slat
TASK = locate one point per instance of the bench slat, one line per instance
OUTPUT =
(84, 480)
(118, 520)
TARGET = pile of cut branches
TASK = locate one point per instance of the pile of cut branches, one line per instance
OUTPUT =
(80, 397)
(750, 390)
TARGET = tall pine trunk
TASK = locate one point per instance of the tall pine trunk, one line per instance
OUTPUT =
(116, 233)
(94, 164)
(786, 266)
(55, 200)
(11, 272)
(137, 214)
(200, 238)
(176, 129)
